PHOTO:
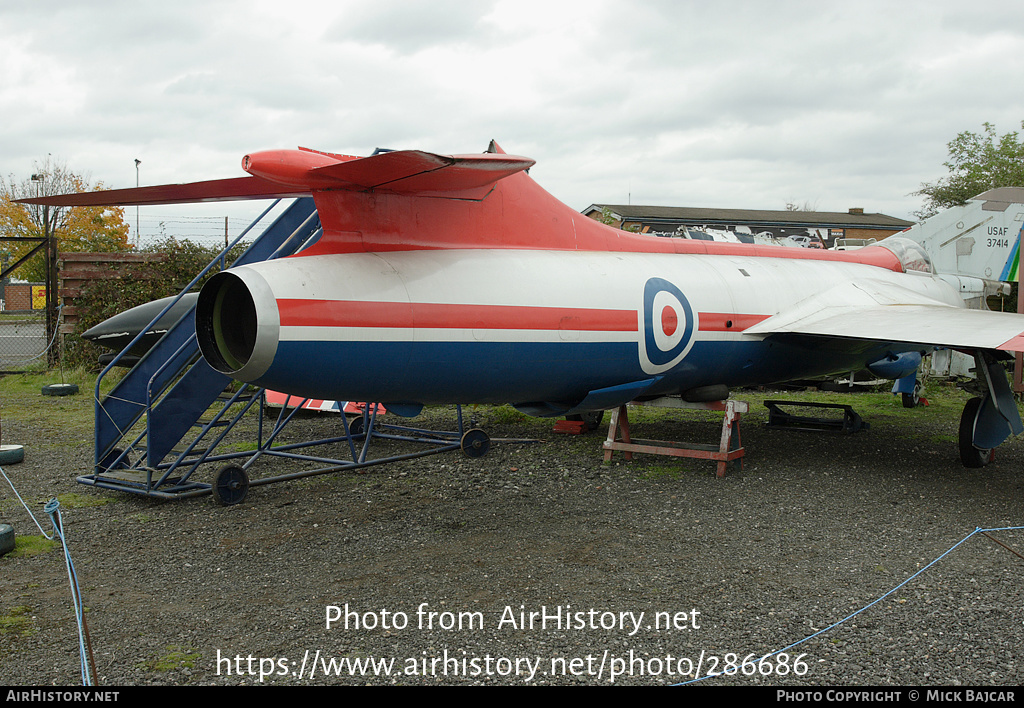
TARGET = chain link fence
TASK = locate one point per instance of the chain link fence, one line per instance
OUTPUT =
(22, 326)
(22, 340)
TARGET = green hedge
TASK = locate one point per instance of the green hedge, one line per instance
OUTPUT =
(135, 285)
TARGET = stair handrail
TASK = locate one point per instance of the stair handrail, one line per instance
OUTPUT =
(220, 257)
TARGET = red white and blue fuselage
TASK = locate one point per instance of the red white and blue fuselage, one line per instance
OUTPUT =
(529, 327)
(457, 279)
(437, 292)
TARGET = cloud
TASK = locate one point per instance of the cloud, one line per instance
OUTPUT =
(407, 28)
(689, 103)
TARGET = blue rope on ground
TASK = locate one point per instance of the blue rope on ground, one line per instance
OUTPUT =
(738, 668)
(47, 537)
(52, 509)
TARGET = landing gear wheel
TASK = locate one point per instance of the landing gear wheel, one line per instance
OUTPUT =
(230, 486)
(475, 443)
(913, 400)
(971, 456)
(60, 390)
(355, 425)
(593, 419)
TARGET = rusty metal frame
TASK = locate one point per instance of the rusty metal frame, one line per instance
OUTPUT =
(38, 247)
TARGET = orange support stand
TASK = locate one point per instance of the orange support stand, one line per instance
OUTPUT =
(570, 427)
(729, 450)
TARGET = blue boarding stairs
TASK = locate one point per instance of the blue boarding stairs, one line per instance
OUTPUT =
(145, 427)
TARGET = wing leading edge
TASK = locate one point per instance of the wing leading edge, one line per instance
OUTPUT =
(883, 312)
(217, 190)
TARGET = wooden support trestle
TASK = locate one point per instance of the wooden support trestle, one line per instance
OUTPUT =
(729, 450)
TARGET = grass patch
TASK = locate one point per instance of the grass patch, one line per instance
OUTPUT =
(506, 415)
(177, 657)
(17, 622)
(71, 500)
(945, 403)
(31, 317)
(664, 472)
(26, 546)
(23, 400)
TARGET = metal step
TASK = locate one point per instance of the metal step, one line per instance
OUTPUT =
(165, 385)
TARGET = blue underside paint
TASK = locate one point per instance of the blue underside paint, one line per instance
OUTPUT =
(907, 384)
(560, 372)
(896, 366)
(997, 419)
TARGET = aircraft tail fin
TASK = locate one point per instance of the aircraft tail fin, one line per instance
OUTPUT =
(980, 239)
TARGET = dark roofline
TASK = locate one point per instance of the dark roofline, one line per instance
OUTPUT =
(695, 215)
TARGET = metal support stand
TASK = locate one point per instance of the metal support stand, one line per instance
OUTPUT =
(172, 480)
(851, 422)
(728, 451)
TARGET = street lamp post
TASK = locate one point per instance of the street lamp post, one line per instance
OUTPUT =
(137, 233)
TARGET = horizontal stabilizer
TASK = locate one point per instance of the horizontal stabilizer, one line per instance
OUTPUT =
(885, 313)
(300, 173)
(414, 171)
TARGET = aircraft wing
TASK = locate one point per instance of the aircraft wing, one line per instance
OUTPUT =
(876, 311)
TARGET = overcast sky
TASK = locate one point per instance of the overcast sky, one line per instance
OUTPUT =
(704, 104)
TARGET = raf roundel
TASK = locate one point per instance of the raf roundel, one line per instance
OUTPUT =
(668, 326)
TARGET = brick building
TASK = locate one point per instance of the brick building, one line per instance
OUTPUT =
(22, 296)
(827, 226)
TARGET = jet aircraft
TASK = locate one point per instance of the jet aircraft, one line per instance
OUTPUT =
(458, 279)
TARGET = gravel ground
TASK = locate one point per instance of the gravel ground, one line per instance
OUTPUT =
(815, 527)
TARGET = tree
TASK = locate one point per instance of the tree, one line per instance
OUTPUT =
(807, 206)
(607, 217)
(76, 228)
(977, 163)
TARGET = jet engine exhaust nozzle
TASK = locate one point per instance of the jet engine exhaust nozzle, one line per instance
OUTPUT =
(237, 324)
